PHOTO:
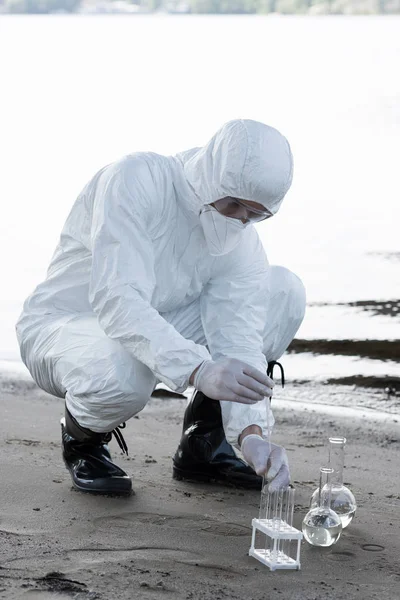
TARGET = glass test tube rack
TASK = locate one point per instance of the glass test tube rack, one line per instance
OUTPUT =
(281, 549)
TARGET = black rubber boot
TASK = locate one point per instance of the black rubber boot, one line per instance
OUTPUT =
(87, 458)
(204, 454)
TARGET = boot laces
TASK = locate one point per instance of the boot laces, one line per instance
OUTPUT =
(270, 370)
(120, 438)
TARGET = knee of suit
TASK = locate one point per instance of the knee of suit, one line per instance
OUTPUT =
(104, 410)
(285, 281)
(123, 398)
(110, 396)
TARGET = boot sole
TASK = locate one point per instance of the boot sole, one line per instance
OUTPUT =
(245, 482)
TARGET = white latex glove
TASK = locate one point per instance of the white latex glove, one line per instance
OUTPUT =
(267, 459)
(232, 380)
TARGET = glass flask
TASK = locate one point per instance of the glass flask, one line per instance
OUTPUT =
(342, 499)
(321, 525)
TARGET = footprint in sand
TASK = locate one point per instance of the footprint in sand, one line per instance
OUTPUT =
(341, 555)
(79, 559)
(191, 522)
(22, 442)
(91, 556)
(373, 547)
(35, 595)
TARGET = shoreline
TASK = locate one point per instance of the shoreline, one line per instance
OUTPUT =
(380, 393)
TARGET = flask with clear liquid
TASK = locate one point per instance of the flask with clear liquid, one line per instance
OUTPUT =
(342, 499)
(321, 525)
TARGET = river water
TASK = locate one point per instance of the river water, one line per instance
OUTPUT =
(80, 91)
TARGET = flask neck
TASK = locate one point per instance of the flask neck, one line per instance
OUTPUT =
(336, 460)
(325, 488)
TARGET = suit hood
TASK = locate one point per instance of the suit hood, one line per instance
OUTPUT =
(244, 159)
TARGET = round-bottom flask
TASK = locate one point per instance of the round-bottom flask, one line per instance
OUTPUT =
(321, 525)
(342, 502)
(342, 499)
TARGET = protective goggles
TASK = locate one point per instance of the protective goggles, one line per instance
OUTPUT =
(231, 207)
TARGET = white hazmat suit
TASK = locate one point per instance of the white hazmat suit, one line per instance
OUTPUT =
(133, 296)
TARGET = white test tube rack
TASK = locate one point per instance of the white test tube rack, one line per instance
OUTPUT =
(276, 523)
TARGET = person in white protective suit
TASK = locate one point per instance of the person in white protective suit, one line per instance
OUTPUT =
(160, 276)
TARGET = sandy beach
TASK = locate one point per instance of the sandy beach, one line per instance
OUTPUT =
(188, 541)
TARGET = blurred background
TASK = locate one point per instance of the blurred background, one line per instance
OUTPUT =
(81, 90)
(361, 7)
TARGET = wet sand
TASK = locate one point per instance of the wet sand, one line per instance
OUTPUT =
(188, 541)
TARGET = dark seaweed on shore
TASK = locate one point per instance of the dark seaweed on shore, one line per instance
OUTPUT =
(376, 349)
(387, 308)
(390, 384)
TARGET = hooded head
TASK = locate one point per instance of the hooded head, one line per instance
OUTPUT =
(245, 159)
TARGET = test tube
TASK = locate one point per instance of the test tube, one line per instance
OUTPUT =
(283, 543)
(276, 521)
(289, 510)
